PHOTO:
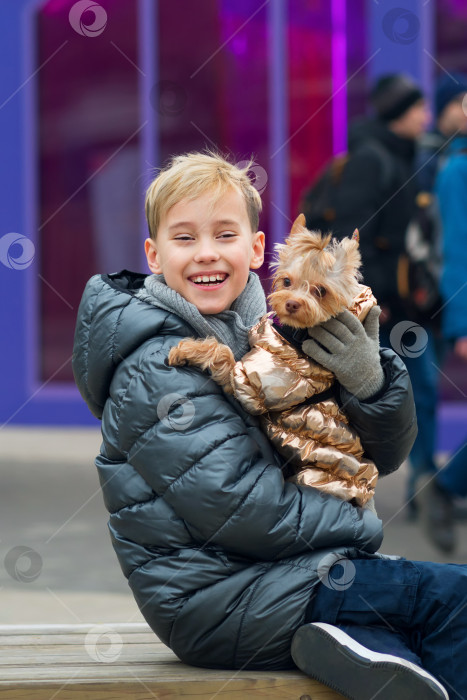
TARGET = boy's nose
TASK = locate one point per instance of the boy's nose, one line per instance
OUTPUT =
(205, 253)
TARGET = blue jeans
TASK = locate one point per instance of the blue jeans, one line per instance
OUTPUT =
(414, 610)
(453, 477)
(424, 377)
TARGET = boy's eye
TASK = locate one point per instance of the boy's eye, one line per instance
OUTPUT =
(227, 234)
(183, 237)
(286, 282)
(319, 291)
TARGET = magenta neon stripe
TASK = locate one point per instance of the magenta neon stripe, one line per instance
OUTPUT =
(339, 76)
(279, 168)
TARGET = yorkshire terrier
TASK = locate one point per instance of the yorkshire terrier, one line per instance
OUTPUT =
(316, 277)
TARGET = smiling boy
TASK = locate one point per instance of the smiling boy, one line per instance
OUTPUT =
(228, 563)
(204, 249)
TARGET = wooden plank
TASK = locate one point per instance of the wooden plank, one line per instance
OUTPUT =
(174, 671)
(72, 655)
(174, 681)
(52, 663)
(82, 628)
(275, 688)
(64, 640)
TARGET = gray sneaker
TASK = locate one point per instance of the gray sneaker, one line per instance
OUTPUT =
(327, 654)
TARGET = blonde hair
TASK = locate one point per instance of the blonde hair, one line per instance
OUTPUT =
(193, 174)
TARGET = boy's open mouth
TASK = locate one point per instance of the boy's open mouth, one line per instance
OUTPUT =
(213, 280)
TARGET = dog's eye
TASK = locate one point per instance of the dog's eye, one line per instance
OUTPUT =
(286, 282)
(319, 291)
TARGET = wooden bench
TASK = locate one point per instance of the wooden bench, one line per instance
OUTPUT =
(126, 662)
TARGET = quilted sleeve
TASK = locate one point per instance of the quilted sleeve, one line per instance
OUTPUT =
(387, 422)
(208, 459)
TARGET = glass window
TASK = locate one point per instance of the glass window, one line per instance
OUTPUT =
(211, 92)
(213, 89)
(89, 188)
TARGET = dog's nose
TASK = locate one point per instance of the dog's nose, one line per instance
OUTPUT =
(291, 306)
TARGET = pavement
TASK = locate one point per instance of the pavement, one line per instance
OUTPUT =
(57, 564)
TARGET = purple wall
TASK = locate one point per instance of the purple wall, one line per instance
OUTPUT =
(85, 120)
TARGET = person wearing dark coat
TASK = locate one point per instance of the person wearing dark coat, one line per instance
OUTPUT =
(437, 489)
(378, 195)
(377, 191)
(231, 566)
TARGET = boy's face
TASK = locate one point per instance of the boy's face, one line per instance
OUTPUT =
(205, 251)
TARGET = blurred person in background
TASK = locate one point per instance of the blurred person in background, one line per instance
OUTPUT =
(423, 299)
(377, 192)
(436, 491)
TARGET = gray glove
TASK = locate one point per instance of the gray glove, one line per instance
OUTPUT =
(350, 350)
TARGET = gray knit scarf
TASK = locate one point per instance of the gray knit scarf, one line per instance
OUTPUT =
(229, 327)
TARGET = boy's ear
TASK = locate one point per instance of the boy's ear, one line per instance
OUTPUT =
(258, 244)
(152, 256)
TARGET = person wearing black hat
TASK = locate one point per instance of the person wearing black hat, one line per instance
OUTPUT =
(378, 195)
(392, 97)
(451, 107)
(450, 113)
(436, 490)
(377, 191)
(449, 93)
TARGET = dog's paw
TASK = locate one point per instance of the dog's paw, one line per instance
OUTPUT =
(188, 351)
(176, 357)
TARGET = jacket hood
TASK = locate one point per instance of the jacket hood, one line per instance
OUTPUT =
(364, 130)
(111, 324)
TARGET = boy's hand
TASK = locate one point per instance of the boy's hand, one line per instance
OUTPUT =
(350, 350)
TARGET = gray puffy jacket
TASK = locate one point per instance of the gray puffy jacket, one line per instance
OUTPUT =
(222, 556)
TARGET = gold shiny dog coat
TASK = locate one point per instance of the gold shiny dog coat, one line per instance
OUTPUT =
(274, 380)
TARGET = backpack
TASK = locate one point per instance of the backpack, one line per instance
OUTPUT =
(419, 268)
(319, 203)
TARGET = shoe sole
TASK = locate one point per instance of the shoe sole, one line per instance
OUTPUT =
(330, 656)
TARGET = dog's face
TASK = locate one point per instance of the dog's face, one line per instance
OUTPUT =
(315, 278)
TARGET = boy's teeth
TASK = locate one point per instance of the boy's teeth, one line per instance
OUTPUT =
(209, 278)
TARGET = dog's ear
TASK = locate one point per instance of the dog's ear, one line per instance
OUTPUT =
(356, 236)
(348, 258)
(298, 225)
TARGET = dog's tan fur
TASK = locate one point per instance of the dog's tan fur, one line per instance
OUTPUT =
(205, 353)
(316, 277)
